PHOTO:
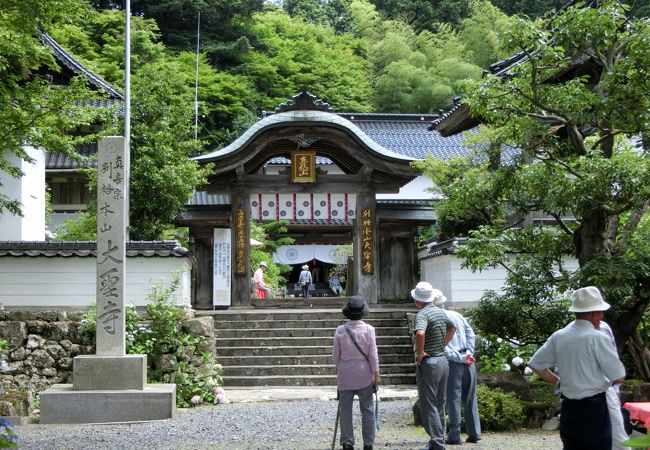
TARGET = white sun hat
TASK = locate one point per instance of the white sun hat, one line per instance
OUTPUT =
(588, 299)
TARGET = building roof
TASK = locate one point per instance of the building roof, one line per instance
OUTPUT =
(88, 249)
(70, 62)
(60, 161)
(459, 118)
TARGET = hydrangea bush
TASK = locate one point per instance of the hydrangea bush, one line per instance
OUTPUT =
(173, 355)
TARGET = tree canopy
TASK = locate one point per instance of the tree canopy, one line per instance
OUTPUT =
(576, 183)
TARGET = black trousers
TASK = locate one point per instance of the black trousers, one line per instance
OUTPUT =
(584, 423)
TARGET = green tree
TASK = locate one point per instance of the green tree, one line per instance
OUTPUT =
(34, 111)
(270, 236)
(293, 53)
(569, 109)
(162, 175)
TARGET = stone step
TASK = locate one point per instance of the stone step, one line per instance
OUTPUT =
(299, 332)
(303, 323)
(308, 370)
(284, 315)
(310, 380)
(281, 350)
(229, 361)
(297, 341)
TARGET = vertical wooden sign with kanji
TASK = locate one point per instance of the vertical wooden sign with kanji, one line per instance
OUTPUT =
(111, 246)
(240, 241)
(367, 242)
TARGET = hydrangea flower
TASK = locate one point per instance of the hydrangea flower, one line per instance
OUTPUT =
(505, 367)
(517, 361)
(499, 340)
(218, 390)
(528, 371)
(196, 400)
(222, 399)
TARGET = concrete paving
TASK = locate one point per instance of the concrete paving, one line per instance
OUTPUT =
(309, 393)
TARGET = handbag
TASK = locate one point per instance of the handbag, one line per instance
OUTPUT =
(375, 388)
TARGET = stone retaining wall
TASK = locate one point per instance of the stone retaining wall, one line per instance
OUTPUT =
(41, 346)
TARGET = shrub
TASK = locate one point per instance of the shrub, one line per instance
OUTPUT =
(498, 410)
(173, 355)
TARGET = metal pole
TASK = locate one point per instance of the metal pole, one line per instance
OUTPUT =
(127, 113)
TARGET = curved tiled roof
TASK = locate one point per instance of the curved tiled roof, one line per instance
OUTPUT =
(77, 68)
(88, 249)
(301, 117)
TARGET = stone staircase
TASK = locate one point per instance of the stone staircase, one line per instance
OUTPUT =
(293, 347)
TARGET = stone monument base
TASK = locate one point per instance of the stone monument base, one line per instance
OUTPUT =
(62, 404)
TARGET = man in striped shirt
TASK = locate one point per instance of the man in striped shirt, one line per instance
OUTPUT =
(433, 331)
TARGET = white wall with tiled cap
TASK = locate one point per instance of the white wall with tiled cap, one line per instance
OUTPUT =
(42, 282)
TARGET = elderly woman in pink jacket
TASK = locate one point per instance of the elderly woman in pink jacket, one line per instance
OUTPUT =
(357, 371)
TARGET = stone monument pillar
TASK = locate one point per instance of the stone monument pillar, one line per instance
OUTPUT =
(109, 386)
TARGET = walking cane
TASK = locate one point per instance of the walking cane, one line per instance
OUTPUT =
(336, 422)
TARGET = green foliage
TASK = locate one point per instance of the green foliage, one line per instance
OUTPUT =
(34, 111)
(638, 442)
(83, 228)
(292, 53)
(499, 355)
(269, 235)
(173, 355)
(498, 410)
(8, 437)
(573, 167)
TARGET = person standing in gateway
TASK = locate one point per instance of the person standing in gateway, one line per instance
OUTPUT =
(304, 280)
(587, 366)
(433, 331)
(263, 289)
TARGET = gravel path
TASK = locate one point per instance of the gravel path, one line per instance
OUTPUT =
(297, 425)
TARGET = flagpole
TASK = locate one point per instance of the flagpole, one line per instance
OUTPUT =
(127, 112)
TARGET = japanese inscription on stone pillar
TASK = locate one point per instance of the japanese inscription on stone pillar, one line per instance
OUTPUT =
(111, 246)
(367, 247)
(240, 241)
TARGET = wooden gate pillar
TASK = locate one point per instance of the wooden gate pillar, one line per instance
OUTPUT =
(241, 257)
(365, 247)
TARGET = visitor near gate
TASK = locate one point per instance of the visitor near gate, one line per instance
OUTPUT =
(433, 331)
(357, 371)
(304, 280)
(461, 383)
(335, 284)
(587, 367)
(613, 400)
(263, 290)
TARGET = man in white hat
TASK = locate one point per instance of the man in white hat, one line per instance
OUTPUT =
(587, 366)
(462, 380)
(263, 289)
(433, 331)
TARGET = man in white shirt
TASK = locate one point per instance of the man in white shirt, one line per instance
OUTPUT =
(587, 366)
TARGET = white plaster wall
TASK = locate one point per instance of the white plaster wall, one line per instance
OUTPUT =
(464, 287)
(29, 190)
(42, 282)
(437, 272)
(417, 189)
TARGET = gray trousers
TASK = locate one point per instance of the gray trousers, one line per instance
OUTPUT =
(461, 390)
(366, 405)
(432, 389)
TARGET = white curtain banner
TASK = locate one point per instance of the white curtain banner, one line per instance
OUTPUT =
(298, 254)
